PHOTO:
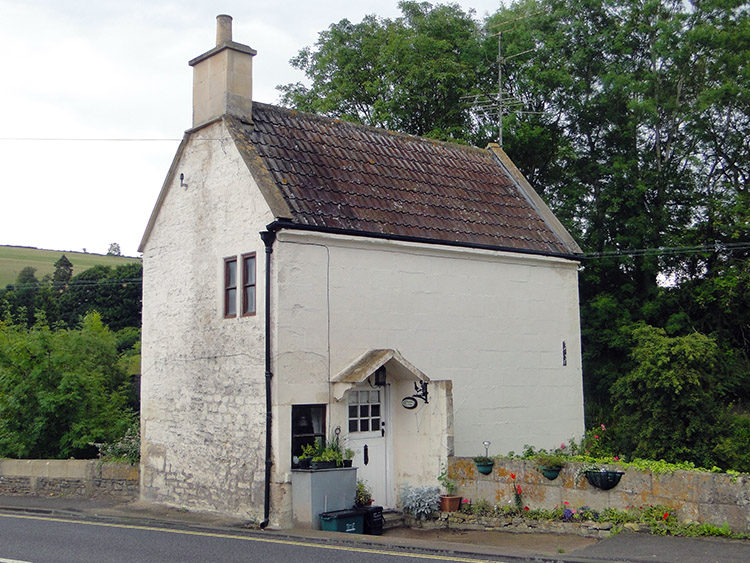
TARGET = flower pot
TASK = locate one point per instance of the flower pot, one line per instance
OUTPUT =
(322, 465)
(485, 468)
(304, 463)
(604, 480)
(449, 503)
(550, 473)
(348, 462)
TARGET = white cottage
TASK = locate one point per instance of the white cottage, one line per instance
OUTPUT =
(306, 278)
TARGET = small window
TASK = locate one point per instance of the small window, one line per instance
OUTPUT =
(364, 411)
(230, 287)
(308, 427)
(248, 284)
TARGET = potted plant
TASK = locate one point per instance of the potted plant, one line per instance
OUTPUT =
(448, 502)
(363, 495)
(348, 457)
(550, 464)
(484, 464)
(329, 457)
(309, 451)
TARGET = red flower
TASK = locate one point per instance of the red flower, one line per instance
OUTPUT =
(518, 488)
(666, 515)
(616, 458)
(596, 436)
(512, 475)
(526, 508)
(566, 503)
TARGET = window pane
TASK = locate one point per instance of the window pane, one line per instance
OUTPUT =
(364, 425)
(363, 396)
(352, 426)
(375, 410)
(249, 274)
(231, 305)
(375, 423)
(374, 396)
(364, 411)
(352, 398)
(231, 273)
(352, 411)
(249, 300)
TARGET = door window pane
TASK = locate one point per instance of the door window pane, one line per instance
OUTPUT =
(364, 411)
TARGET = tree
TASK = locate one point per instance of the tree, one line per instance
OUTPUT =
(407, 74)
(60, 390)
(114, 250)
(63, 271)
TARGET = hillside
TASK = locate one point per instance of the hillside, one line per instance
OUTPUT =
(14, 258)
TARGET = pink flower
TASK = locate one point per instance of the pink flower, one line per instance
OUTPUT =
(465, 501)
(596, 436)
(562, 446)
(616, 458)
(603, 427)
(566, 503)
(526, 508)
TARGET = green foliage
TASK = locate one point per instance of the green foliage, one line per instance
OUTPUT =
(447, 483)
(678, 378)
(61, 390)
(363, 495)
(420, 502)
(126, 448)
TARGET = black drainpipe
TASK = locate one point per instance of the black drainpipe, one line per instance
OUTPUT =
(268, 238)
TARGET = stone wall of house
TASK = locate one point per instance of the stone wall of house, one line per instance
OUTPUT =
(203, 415)
(81, 478)
(697, 496)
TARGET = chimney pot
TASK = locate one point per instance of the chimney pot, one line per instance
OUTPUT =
(223, 29)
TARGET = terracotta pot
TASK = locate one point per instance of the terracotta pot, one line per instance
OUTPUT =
(449, 503)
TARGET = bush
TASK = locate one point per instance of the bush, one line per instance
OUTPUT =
(420, 502)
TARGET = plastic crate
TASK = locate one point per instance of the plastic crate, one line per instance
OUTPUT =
(347, 521)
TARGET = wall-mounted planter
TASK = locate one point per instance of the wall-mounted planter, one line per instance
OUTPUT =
(550, 473)
(485, 468)
(604, 480)
(322, 465)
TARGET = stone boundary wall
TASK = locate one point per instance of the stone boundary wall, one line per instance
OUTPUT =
(697, 496)
(80, 478)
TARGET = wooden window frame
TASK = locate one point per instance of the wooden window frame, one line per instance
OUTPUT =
(249, 285)
(230, 291)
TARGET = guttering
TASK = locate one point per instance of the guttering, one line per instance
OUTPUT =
(268, 238)
(287, 224)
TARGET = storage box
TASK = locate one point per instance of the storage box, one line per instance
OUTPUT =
(348, 521)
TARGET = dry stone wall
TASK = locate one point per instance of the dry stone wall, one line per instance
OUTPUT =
(81, 478)
(697, 496)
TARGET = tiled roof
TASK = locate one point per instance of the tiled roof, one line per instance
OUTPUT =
(342, 176)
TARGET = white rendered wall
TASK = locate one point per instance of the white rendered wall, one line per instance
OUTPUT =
(203, 397)
(493, 323)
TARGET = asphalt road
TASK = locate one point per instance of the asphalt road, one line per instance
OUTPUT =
(41, 539)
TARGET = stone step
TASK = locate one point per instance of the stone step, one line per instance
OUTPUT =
(392, 519)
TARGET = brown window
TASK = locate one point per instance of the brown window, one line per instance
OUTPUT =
(230, 287)
(308, 427)
(248, 284)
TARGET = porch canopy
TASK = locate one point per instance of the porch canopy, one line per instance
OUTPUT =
(396, 366)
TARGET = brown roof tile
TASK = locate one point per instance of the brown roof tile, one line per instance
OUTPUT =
(337, 175)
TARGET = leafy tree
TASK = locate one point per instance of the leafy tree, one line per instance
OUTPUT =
(114, 250)
(407, 74)
(668, 406)
(63, 270)
(60, 390)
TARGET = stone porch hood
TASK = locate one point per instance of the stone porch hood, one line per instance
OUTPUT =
(397, 367)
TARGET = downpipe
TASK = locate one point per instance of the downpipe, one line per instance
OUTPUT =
(268, 238)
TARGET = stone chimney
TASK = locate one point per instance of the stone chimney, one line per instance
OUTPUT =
(223, 78)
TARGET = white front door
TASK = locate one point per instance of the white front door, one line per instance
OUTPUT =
(369, 437)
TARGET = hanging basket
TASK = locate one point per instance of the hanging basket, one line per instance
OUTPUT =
(485, 468)
(604, 480)
(550, 473)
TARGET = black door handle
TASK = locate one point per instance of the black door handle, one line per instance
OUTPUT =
(367, 455)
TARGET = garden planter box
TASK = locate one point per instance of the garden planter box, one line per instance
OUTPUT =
(326, 490)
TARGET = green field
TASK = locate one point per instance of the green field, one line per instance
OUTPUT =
(15, 258)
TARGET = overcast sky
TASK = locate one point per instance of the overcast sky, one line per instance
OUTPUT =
(115, 74)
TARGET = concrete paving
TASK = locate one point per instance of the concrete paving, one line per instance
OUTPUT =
(503, 546)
